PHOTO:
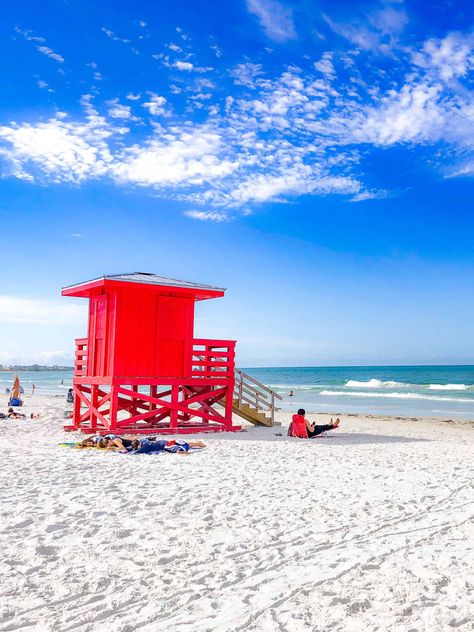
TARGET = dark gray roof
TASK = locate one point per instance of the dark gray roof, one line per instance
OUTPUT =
(153, 279)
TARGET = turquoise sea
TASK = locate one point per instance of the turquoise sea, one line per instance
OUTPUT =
(438, 391)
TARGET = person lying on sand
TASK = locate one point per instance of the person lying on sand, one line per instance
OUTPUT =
(304, 429)
(12, 414)
(146, 446)
(96, 441)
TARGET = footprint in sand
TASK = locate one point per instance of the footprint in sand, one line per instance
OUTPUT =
(55, 527)
(20, 525)
(46, 551)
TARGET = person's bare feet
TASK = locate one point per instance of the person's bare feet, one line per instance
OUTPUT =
(336, 423)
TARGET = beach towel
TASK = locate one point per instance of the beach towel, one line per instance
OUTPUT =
(75, 444)
(177, 445)
(297, 427)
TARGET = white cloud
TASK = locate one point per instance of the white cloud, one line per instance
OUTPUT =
(181, 157)
(297, 133)
(246, 74)
(275, 18)
(43, 85)
(57, 150)
(156, 105)
(369, 195)
(119, 111)
(186, 66)
(325, 65)
(49, 52)
(207, 216)
(111, 35)
(46, 357)
(28, 35)
(379, 31)
(183, 65)
(450, 57)
(14, 309)
(295, 181)
(414, 114)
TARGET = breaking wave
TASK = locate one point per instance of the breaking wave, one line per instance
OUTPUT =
(374, 383)
(396, 396)
(448, 387)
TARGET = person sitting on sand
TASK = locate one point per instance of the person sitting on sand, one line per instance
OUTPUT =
(304, 429)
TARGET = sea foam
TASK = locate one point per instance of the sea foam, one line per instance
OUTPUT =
(374, 383)
(448, 387)
(395, 395)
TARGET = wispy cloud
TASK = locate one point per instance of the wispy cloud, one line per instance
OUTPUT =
(271, 137)
(113, 36)
(15, 309)
(275, 18)
(57, 150)
(40, 44)
(119, 111)
(46, 357)
(448, 58)
(29, 35)
(378, 31)
(49, 52)
(185, 66)
(207, 216)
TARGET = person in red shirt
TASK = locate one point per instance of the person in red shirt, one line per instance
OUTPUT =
(304, 429)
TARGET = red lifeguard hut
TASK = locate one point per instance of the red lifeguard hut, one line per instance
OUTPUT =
(140, 369)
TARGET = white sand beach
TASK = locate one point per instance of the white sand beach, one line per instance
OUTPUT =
(367, 528)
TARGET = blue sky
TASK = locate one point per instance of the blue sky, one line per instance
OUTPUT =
(315, 158)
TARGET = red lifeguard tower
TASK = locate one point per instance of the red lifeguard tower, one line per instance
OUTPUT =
(140, 369)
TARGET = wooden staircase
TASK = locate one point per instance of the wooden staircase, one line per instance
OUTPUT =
(253, 401)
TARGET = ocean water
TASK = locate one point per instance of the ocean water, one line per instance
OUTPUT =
(46, 382)
(406, 391)
(437, 391)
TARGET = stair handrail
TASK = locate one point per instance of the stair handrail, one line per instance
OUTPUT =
(244, 383)
(249, 378)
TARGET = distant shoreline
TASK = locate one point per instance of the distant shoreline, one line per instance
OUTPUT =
(35, 367)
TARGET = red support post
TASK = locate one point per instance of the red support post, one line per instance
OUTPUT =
(94, 400)
(175, 391)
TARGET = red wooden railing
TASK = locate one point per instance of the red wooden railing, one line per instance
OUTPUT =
(80, 362)
(213, 358)
(209, 358)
